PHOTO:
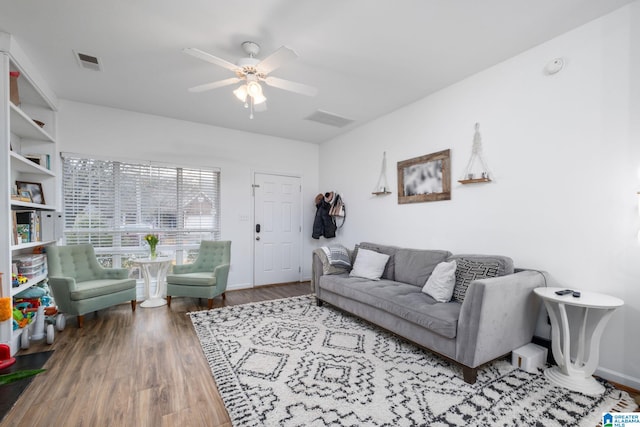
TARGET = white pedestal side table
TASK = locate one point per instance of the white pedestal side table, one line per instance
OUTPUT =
(594, 311)
(154, 270)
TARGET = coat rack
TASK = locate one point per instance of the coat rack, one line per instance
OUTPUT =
(470, 174)
(382, 187)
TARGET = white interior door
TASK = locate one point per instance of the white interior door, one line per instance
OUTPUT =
(277, 228)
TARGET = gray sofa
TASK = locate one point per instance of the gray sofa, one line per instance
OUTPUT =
(496, 316)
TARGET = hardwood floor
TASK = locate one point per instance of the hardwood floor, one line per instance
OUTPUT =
(124, 368)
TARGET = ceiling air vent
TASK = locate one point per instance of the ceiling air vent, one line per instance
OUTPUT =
(88, 61)
(330, 119)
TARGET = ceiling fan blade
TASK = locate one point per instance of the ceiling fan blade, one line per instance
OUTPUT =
(210, 58)
(291, 86)
(276, 59)
(215, 85)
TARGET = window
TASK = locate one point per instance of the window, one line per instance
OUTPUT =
(113, 205)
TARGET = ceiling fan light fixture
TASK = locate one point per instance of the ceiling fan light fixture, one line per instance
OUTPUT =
(241, 93)
(254, 89)
(259, 99)
(250, 72)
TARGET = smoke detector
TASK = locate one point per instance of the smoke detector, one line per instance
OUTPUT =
(554, 66)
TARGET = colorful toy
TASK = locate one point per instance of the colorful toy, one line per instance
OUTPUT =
(33, 305)
(45, 317)
(18, 279)
(32, 302)
(52, 317)
(5, 356)
(5, 308)
(21, 318)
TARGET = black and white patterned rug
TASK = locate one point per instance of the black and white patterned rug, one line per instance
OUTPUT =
(290, 363)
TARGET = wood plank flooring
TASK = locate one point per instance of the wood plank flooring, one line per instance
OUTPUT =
(132, 369)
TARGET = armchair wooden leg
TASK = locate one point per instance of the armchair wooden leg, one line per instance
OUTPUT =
(210, 303)
(224, 295)
(168, 300)
(133, 305)
(80, 321)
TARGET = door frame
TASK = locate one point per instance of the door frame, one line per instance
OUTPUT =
(253, 217)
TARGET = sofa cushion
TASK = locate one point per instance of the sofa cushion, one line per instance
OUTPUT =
(369, 264)
(400, 299)
(440, 284)
(505, 264)
(389, 270)
(96, 288)
(201, 278)
(414, 266)
(467, 271)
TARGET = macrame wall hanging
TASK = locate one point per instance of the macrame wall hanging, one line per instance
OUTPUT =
(477, 170)
(382, 187)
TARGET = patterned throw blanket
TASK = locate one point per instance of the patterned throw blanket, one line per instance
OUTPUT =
(337, 256)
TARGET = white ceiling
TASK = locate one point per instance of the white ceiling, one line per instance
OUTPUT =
(366, 58)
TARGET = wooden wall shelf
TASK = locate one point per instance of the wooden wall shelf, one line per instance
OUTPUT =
(474, 181)
(381, 193)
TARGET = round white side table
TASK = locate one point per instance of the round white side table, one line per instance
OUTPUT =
(154, 269)
(594, 311)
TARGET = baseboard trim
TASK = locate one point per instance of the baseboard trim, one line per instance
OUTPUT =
(628, 382)
(621, 381)
(239, 286)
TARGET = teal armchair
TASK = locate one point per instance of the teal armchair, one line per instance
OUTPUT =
(80, 285)
(206, 277)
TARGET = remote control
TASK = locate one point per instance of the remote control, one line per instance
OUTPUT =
(565, 292)
(576, 294)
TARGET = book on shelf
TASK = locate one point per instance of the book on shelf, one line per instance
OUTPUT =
(24, 233)
(27, 226)
(43, 160)
(14, 228)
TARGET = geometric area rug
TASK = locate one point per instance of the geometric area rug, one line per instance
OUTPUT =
(289, 362)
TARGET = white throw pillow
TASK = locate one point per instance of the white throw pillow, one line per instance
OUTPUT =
(369, 264)
(440, 284)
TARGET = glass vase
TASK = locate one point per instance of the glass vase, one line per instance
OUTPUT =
(152, 252)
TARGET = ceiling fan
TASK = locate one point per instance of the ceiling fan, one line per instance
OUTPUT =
(251, 71)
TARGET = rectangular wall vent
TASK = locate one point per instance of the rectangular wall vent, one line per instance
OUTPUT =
(330, 119)
(89, 62)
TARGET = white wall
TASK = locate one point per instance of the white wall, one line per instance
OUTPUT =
(108, 132)
(565, 155)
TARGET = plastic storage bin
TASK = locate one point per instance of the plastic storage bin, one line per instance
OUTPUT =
(31, 266)
(30, 260)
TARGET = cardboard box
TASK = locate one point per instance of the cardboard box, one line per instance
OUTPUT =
(529, 358)
(14, 96)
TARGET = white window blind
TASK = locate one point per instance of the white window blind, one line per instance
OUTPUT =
(113, 205)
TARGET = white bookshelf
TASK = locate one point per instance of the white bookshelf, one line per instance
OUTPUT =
(23, 138)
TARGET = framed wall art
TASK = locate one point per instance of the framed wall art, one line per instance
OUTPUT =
(34, 188)
(425, 179)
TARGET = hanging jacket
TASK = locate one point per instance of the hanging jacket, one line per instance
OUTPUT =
(323, 224)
